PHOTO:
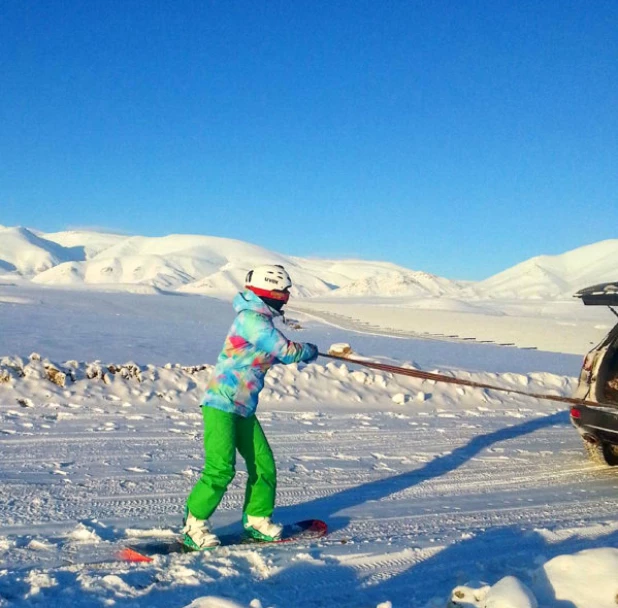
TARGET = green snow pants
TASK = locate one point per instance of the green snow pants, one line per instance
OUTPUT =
(224, 433)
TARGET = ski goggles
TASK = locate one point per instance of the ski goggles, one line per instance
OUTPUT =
(273, 294)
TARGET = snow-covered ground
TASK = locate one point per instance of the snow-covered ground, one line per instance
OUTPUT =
(436, 495)
(563, 326)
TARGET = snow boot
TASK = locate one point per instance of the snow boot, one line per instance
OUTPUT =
(261, 528)
(197, 534)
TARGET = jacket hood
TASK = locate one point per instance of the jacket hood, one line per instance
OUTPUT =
(247, 300)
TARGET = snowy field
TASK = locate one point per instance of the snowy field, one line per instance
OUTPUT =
(558, 325)
(436, 495)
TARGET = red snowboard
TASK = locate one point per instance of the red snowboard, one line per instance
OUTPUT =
(300, 531)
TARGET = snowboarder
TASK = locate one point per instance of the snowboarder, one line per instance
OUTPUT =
(251, 347)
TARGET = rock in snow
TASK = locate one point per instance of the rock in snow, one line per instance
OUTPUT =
(469, 595)
(400, 398)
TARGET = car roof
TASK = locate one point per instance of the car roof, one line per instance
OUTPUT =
(603, 294)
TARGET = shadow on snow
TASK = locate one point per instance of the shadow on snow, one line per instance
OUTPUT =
(327, 507)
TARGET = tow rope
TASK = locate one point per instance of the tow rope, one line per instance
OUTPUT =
(415, 373)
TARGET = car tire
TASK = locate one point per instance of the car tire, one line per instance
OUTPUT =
(611, 454)
(602, 453)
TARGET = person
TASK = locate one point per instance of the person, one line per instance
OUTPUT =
(251, 347)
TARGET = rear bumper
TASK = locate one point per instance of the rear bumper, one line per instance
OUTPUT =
(596, 424)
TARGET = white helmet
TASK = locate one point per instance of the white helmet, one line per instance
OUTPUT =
(270, 281)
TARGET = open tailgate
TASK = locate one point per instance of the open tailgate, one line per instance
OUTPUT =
(603, 294)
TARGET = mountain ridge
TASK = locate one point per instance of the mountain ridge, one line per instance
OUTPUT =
(209, 265)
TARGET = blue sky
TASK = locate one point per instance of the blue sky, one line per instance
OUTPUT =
(456, 137)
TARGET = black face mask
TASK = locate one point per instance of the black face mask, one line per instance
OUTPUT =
(276, 304)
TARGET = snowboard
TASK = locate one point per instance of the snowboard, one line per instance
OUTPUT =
(146, 551)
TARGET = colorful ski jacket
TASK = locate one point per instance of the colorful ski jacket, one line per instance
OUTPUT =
(251, 347)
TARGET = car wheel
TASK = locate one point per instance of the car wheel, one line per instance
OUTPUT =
(602, 453)
(611, 454)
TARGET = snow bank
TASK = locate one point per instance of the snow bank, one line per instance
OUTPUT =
(587, 579)
(36, 379)
(508, 592)
(213, 602)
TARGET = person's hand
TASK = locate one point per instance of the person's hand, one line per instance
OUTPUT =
(311, 352)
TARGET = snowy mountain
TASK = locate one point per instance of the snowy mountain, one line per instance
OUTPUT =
(27, 254)
(183, 263)
(92, 242)
(217, 266)
(400, 283)
(557, 275)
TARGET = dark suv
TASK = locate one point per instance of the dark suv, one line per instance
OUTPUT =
(597, 420)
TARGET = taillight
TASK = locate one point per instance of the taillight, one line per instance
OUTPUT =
(576, 412)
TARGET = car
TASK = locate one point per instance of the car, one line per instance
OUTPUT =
(597, 418)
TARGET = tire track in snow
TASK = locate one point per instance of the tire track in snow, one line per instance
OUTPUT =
(516, 483)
